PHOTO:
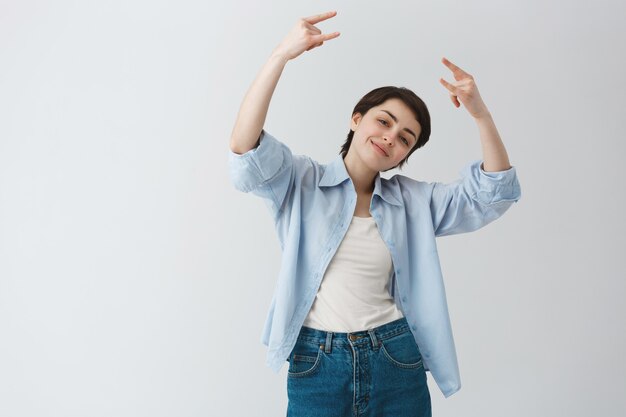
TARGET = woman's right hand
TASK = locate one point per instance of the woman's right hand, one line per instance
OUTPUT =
(305, 36)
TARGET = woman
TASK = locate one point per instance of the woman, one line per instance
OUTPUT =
(359, 310)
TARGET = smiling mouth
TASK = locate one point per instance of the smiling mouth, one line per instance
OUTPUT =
(380, 149)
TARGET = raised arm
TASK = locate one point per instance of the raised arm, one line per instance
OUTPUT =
(486, 190)
(251, 117)
(465, 91)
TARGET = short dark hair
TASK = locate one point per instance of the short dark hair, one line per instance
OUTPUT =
(382, 94)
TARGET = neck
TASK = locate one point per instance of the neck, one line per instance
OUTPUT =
(362, 177)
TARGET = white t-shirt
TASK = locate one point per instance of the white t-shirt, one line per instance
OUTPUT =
(354, 293)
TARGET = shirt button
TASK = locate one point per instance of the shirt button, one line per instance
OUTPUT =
(403, 298)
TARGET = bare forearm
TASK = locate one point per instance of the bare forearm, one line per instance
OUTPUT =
(253, 110)
(495, 157)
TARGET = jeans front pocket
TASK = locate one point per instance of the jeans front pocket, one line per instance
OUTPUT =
(402, 351)
(304, 359)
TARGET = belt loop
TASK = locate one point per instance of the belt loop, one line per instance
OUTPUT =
(374, 340)
(329, 340)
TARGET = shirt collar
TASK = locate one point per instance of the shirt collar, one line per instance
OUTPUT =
(336, 173)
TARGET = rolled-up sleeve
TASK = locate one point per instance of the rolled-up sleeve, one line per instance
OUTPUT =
(475, 200)
(265, 170)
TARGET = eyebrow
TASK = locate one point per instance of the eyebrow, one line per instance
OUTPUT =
(395, 119)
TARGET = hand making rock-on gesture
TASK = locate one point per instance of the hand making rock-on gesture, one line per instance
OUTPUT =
(305, 36)
(464, 90)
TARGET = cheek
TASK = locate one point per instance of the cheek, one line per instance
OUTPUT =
(402, 156)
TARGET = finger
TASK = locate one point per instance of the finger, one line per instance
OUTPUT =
(454, 90)
(315, 45)
(458, 72)
(455, 100)
(450, 65)
(323, 38)
(312, 28)
(319, 17)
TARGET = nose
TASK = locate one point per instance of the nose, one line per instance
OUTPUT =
(387, 139)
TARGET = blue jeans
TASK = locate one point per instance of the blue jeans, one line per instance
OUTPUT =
(377, 373)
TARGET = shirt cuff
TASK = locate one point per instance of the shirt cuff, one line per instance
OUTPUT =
(252, 168)
(489, 187)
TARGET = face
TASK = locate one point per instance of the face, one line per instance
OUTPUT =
(384, 135)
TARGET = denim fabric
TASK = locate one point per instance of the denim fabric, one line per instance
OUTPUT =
(377, 372)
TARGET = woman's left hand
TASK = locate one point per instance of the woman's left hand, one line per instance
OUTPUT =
(464, 89)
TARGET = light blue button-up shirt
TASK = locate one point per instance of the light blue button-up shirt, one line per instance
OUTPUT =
(312, 205)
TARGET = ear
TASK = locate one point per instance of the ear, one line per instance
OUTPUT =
(354, 122)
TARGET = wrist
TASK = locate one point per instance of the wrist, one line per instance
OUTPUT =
(279, 56)
(483, 116)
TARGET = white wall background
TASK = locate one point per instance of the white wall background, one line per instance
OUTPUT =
(134, 279)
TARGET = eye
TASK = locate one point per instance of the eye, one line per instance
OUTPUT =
(406, 142)
(383, 121)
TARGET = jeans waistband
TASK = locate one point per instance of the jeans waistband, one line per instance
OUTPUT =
(338, 339)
